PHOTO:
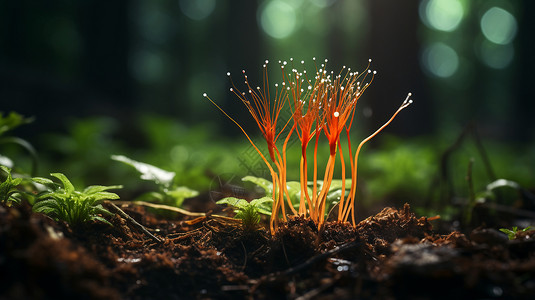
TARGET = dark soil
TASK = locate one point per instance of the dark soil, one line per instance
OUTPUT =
(391, 255)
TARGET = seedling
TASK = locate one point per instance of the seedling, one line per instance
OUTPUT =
(8, 188)
(249, 212)
(168, 193)
(319, 102)
(511, 233)
(63, 202)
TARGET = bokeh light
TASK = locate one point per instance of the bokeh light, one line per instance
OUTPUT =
(440, 60)
(496, 56)
(147, 66)
(278, 19)
(323, 3)
(444, 15)
(498, 25)
(197, 9)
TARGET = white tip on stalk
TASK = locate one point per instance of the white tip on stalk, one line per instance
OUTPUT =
(336, 114)
(407, 101)
(204, 95)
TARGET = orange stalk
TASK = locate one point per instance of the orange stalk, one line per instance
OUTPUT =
(351, 203)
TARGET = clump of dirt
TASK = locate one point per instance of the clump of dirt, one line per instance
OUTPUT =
(393, 254)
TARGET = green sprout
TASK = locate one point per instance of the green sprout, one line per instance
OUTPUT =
(168, 193)
(249, 212)
(511, 233)
(8, 188)
(63, 202)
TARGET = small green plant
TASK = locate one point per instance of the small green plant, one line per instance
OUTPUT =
(169, 193)
(63, 202)
(511, 233)
(8, 188)
(249, 212)
(333, 197)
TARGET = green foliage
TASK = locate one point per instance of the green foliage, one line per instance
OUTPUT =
(294, 190)
(491, 190)
(8, 188)
(168, 192)
(85, 150)
(400, 169)
(511, 233)
(63, 202)
(264, 184)
(249, 212)
(10, 122)
(191, 152)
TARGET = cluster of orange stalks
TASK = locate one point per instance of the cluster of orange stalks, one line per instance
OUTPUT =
(321, 102)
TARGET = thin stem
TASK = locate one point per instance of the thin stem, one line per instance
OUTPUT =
(342, 196)
(405, 104)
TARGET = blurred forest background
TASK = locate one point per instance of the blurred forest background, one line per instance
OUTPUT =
(103, 77)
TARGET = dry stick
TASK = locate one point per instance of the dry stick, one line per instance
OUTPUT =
(175, 209)
(165, 207)
(129, 218)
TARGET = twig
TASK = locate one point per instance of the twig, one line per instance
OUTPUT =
(165, 207)
(179, 210)
(129, 218)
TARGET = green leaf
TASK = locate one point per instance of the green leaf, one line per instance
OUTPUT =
(261, 182)
(294, 191)
(104, 196)
(151, 197)
(45, 204)
(100, 188)
(8, 187)
(67, 185)
(12, 121)
(336, 184)
(101, 210)
(235, 202)
(5, 169)
(101, 219)
(510, 233)
(263, 205)
(241, 204)
(181, 193)
(148, 172)
(43, 181)
(502, 183)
